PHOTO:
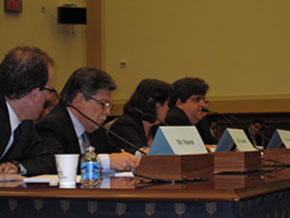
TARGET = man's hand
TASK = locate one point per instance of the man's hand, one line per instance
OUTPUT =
(8, 168)
(123, 161)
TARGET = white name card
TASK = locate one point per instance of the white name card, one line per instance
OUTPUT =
(178, 140)
(280, 137)
(237, 137)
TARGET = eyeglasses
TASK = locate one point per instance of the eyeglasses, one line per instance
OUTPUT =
(197, 99)
(105, 105)
(50, 90)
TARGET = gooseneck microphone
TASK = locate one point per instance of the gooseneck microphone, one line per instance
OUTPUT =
(233, 117)
(268, 127)
(259, 133)
(107, 130)
(137, 110)
(248, 124)
(224, 116)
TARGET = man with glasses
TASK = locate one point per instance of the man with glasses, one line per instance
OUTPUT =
(187, 104)
(68, 128)
(26, 76)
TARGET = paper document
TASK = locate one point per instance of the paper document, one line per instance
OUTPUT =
(11, 177)
(44, 179)
(54, 178)
(124, 174)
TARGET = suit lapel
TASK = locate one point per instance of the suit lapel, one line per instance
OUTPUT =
(4, 125)
(20, 140)
(68, 126)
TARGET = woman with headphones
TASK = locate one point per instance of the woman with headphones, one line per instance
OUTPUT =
(146, 109)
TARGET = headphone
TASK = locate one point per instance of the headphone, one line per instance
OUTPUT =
(151, 101)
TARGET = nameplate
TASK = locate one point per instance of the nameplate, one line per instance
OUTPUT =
(280, 137)
(178, 140)
(233, 137)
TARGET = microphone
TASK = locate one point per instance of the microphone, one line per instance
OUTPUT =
(233, 117)
(224, 116)
(107, 130)
(137, 110)
(268, 127)
(248, 124)
(259, 133)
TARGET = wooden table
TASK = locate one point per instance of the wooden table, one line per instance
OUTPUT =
(223, 195)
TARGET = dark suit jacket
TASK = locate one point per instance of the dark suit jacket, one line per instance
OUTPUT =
(259, 140)
(57, 131)
(177, 117)
(129, 127)
(29, 150)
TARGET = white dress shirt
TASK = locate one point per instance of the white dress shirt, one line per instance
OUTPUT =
(14, 122)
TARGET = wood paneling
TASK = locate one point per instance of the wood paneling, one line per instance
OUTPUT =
(94, 34)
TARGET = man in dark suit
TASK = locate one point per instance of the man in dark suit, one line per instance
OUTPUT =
(186, 106)
(66, 130)
(26, 76)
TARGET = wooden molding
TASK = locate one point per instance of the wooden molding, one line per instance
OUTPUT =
(251, 106)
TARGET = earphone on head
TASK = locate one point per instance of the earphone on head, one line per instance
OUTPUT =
(151, 101)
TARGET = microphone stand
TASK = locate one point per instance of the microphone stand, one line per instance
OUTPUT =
(147, 114)
(259, 133)
(224, 116)
(247, 124)
(233, 117)
(268, 127)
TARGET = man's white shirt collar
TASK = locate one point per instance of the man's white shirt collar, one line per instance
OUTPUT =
(79, 128)
(14, 121)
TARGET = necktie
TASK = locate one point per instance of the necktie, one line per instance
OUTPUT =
(17, 133)
(84, 142)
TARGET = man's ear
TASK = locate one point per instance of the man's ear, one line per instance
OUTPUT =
(178, 102)
(79, 100)
(33, 95)
(158, 105)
